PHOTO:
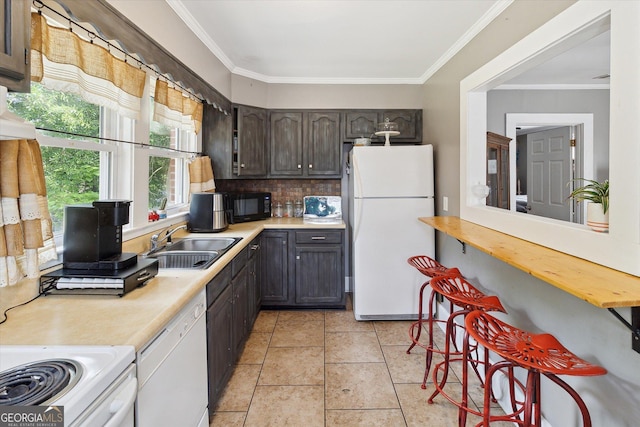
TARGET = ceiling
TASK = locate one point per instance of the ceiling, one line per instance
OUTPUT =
(360, 41)
(336, 41)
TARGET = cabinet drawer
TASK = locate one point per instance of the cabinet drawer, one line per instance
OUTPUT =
(218, 284)
(318, 237)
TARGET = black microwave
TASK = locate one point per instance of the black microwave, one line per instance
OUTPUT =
(243, 207)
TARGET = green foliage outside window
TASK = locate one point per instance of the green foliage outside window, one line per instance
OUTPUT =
(72, 176)
(160, 136)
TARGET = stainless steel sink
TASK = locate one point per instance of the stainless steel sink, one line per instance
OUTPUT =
(202, 244)
(193, 253)
(185, 259)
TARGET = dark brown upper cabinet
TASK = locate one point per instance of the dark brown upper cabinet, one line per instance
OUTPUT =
(285, 142)
(249, 148)
(305, 144)
(15, 38)
(363, 123)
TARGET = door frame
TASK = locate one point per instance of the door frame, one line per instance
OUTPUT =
(584, 154)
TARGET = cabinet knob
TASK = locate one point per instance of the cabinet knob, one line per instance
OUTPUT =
(241, 165)
(299, 166)
(310, 166)
(297, 256)
(255, 247)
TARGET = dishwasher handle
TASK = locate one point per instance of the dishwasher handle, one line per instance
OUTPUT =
(123, 404)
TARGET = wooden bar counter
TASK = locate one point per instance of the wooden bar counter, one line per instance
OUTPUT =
(601, 286)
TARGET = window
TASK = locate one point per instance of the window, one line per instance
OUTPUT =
(72, 160)
(85, 158)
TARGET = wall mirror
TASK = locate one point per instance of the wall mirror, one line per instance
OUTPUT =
(614, 24)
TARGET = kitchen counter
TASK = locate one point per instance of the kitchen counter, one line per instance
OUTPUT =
(136, 317)
(596, 284)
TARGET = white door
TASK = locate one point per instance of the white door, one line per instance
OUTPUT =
(549, 172)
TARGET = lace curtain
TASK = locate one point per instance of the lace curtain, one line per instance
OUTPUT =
(26, 235)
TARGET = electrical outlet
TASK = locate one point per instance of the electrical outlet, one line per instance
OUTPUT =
(445, 203)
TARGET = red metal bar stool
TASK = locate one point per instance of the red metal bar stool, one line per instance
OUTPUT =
(539, 354)
(430, 268)
(457, 290)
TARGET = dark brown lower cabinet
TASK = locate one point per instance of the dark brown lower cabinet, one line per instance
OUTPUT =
(233, 302)
(303, 269)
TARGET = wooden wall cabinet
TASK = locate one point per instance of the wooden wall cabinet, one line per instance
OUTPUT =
(498, 170)
(362, 123)
(249, 142)
(285, 143)
(305, 144)
(15, 41)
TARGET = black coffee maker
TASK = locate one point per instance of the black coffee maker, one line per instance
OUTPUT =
(93, 236)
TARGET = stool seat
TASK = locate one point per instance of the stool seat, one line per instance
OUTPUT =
(464, 294)
(539, 354)
(536, 351)
(430, 267)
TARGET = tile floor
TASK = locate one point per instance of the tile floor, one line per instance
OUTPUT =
(323, 368)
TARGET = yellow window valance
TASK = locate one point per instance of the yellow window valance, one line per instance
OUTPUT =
(62, 60)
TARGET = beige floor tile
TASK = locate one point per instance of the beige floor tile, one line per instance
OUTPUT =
(408, 368)
(301, 316)
(266, 321)
(365, 418)
(417, 412)
(228, 419)
(423, 337)
(359, 386)
(293, 406)
(255, 348)
(298, 334)
(343, 321)
(293, 366)
(238, 393)
(349, 347)
(393, 332)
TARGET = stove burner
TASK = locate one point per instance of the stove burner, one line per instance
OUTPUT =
(39, 382)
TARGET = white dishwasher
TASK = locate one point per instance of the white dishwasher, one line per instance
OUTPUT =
(172, 372)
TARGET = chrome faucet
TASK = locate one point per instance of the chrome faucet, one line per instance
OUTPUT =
(156, 239)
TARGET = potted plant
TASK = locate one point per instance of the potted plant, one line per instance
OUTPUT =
(598, 210)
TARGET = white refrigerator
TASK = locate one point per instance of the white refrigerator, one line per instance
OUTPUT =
(389, 188)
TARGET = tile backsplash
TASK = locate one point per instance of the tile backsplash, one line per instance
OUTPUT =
(283, 189)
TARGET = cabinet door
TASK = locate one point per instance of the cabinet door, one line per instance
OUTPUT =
(15, 37)
(360, 124)
(253, 266)
(323, 146)
(240, 310)
(252, 148)
(286, 143)
(409, 124)
(219, 344)
(274, 277)
(319, 275)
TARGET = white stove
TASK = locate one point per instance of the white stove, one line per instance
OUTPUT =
(101, 381)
